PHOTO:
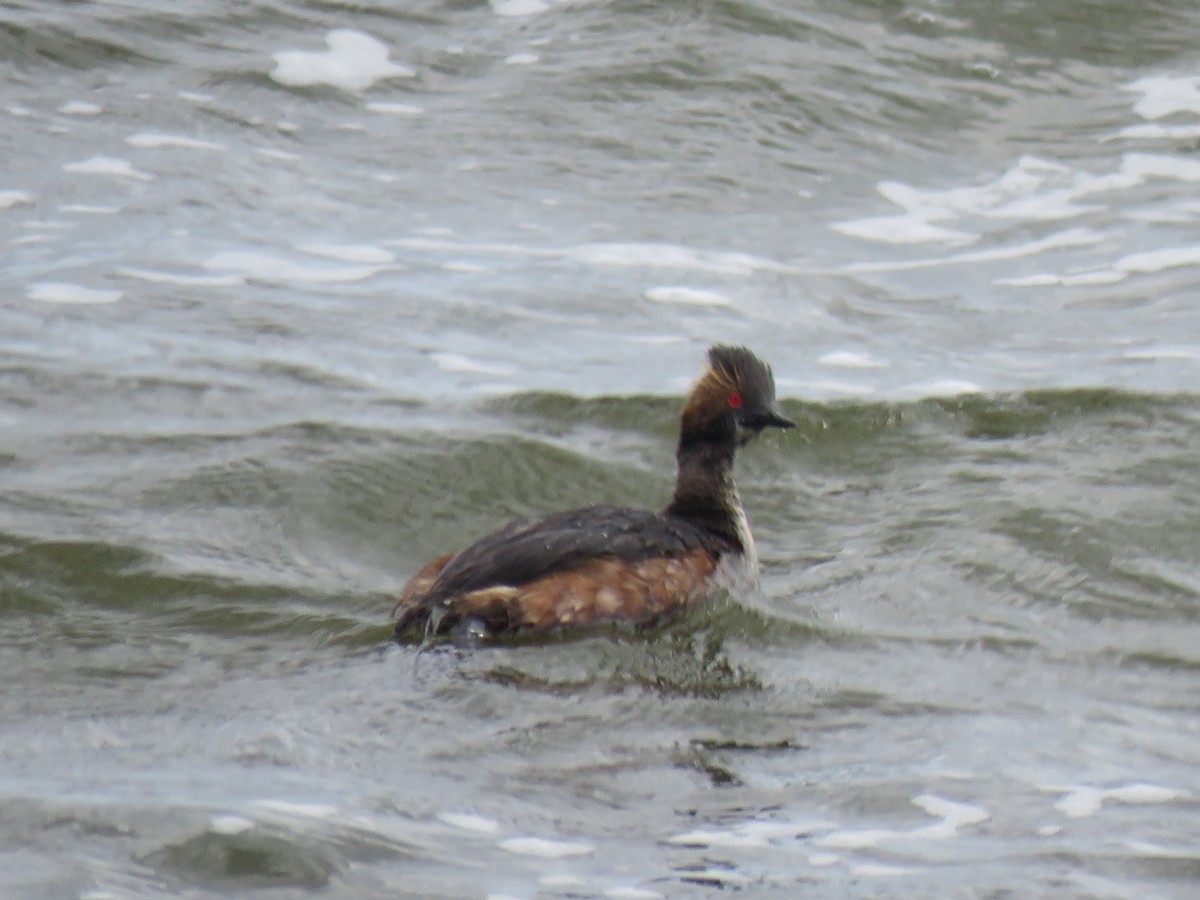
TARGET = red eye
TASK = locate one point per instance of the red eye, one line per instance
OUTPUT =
(735, 400)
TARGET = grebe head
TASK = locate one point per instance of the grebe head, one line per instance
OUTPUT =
(732, 402)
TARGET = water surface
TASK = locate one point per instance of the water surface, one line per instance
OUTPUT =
(296, 297)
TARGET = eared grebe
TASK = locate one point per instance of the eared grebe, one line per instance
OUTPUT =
(609, 563)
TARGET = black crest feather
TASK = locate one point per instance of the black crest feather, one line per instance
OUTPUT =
(746, 371)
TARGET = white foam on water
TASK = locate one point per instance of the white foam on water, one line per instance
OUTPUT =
(1145, 263)
(195, 97)
(436, 240)
(563, 882)
(1049, 830)
(152, 277)
(616, 254)
(948, 387)
(81, 108)
(522, 59)
(358, 253)
(1158, 260)
(686, 296)
(849, 839)
(1043, 280)
(1163, 95)
(1060, 240)
(11, 198)
(290, 809)
(1157, 851)
(106, 165)
(719, 839)
(879, 870)
(354, 62)
(1145, 793)
(1093, 279)
(453, 362)
(1047, 207)
(953, 816)
(800, 388)
(88, 209)
(631, 893)
(823, 859)
(395, 109)
(1083, 279)
(1182, 213)
(1190, 354)
(673, 256)
(546, 848)
(270, 269)
(850, 359)
(1152, 131)
(75, 294)
(1137, 168)
(902, 230)
(470, 822)
(281, 155)
(747, 834)
(1071, 237)
(781, 830)
(459, 265)
(516, 8)
(155, 140)
(1032, 190)
(48, 225)
(230, 825)
(923, 208)
(1079, 801)
(657, 340)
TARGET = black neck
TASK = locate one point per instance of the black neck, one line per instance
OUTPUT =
(705, 494)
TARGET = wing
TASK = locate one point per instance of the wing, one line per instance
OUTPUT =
(484, 579)
(528, 549)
